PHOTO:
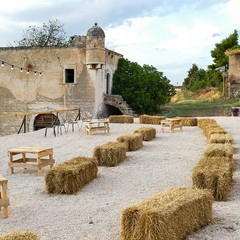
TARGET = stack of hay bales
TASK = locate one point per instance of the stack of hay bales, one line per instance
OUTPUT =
(169, 215)
(214, 171)
(110, 154)
(121, 119)
(148, 133)
(148, 119)
(189, 121)
(70, 176)
(28, 235)
(133, 141)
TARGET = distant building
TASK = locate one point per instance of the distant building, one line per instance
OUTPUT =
(77, 76)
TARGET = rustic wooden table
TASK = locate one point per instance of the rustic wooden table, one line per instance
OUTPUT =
(98, 125)
(36, 162)
(171, 124)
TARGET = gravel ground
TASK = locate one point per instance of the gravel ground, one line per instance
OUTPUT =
(94, 213)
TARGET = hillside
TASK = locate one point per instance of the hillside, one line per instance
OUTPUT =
(208, 102)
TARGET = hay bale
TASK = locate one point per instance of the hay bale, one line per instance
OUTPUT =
(218, 150)
(133, 141)
(215, 130)
(121, 119)
(220, 138)
(189, 121)
(148, 119)
(27, 235)
(170, 215)
(148, 133)
(110, 154)
(214, 174)
(70, 176)
(208, 128)
(202, 122)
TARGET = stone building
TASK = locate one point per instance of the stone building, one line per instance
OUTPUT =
(38, 79)
(232, 79)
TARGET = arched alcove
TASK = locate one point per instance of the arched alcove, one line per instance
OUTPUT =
(44, 120)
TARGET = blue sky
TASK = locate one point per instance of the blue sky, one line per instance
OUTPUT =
(171, 35)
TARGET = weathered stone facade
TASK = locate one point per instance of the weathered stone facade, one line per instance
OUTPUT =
(233, 79)
(71, 77)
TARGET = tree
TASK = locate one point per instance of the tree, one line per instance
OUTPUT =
(144, 88)
(220, 59)
(195, 79)
(50, 34)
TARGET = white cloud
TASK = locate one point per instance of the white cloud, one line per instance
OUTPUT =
(11, 6)
(129, 33)
(190, 41)
(232, 9)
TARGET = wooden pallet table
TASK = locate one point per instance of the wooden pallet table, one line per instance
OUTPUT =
(41, 157)
(4, 201)
(171, 124)
(99, 125)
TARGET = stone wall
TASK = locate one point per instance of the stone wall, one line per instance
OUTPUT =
(27, 92)
(234, 73)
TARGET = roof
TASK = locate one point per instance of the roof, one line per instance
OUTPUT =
(233, 52)
(95, 31)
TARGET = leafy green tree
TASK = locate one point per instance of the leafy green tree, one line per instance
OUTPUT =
(144, 88)
(198, 78)
(195, 79)
(213, 78)
(220, 59)
(50, 34)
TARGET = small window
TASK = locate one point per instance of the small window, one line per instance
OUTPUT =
(69, 75)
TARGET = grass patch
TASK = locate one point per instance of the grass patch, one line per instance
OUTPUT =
(186, 104)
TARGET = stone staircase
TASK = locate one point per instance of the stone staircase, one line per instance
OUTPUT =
(118, 102)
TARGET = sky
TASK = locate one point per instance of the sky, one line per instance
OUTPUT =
(170, 35)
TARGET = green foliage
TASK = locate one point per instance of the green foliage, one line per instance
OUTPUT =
(212, 77)
(192, 107)
(144, 88)
(220, 59)
(195, 79)
(200, 79)
(50, 34)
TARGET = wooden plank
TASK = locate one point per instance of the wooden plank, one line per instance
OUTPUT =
(4, 202)
(31, 165)
(29, 150)
(2, 179)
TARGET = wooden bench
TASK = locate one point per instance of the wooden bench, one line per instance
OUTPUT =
(36, 162)
(171, 124)
(94, 126)
(4, 201)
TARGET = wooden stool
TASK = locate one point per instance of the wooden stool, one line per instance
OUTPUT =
(4, 201)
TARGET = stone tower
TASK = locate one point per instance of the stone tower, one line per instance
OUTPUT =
(95, 47)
